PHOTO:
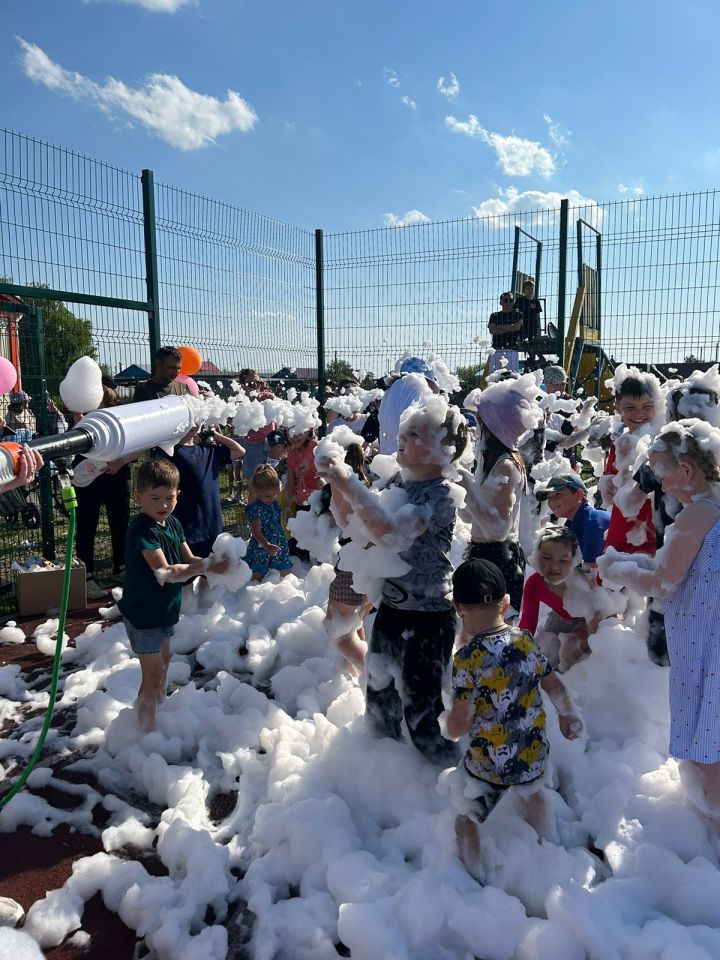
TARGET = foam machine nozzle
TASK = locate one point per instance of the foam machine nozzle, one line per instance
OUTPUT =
(109, 434)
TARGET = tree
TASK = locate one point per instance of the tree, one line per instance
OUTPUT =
(67, 338)
(338, 370)
(691, 358)
(469, 378)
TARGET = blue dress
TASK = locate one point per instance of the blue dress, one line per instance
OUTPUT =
(258, 559)
(692, 623)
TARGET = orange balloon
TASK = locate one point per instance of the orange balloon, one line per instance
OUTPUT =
(191, 361)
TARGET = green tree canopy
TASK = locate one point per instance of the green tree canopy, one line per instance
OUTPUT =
(338, 370)
(66, 337)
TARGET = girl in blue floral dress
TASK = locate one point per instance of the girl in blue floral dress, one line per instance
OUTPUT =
(268, 546)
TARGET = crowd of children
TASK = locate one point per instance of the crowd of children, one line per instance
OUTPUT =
(514, 630)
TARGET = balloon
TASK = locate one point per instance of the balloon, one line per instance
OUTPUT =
(191, 361)
(82, 390)
(189, 383)
(8, 375)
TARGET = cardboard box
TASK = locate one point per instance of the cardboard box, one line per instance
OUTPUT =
(40, 591)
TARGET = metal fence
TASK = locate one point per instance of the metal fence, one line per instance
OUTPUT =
(430, 287)
(119, 265)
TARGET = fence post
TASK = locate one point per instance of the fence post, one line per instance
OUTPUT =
(39, 392)
(320, 320)
(562, 277)
(516, 254)
(151, 273)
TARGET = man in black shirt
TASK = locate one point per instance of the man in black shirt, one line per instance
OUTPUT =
(163, 382)
(505, 326)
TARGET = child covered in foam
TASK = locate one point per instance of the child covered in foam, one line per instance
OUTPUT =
(563, 638)
(414, 629)
(506, 412)
(685, 456)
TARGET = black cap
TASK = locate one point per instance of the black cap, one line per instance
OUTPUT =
(478, 581)
(276, 438)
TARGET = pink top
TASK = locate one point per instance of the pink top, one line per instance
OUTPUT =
(302, 463)
(535, 592)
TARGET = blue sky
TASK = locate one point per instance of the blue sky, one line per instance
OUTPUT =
(335, 118)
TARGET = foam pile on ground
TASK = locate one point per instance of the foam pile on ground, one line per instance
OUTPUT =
(334, 837)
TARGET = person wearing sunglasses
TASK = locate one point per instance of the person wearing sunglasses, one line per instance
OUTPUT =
(505, 326)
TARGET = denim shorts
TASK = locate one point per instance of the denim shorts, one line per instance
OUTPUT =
(150, 640)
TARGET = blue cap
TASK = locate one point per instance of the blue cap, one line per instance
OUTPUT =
(417, 365)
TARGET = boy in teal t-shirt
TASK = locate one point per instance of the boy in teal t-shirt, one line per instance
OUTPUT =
(155, 544)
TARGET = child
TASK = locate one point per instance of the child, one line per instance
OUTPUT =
(346, 608)
(276, 442)
(496, 699)
(632, 527)
(564, 639)
(199, 510)
(414, 629)
(495, 491)
(234, 469)
(302, 478)
(685, 456)
(155, 542)
(268, 546)
(566, 495)
(254, 443)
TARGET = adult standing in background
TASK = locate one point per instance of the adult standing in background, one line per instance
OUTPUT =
(109, 488)
(163, 382)
(505, 326)
(20, 418)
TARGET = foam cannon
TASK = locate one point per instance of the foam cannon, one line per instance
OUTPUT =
(109, 434)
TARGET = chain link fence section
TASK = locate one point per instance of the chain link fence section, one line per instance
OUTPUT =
(429, 287)
(73, 224)
(660, 278)
(239, 286)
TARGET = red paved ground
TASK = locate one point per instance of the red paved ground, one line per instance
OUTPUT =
(30, 865)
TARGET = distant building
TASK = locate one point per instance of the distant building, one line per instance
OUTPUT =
(131, 374)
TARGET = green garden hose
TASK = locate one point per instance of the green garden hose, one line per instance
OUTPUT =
(70, 502)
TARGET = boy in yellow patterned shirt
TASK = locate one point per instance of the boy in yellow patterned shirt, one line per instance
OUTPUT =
(497, 677)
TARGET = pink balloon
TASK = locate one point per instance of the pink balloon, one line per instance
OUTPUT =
(189, 383)
(8, 375)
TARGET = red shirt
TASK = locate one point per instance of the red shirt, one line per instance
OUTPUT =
(535, 592)
(620, 525)
(301, 461)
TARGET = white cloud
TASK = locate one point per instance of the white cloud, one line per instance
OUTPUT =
(408, 102)
(635, 190)
(158, 6)
(449, 88)
(391, 78)
(537, 203)
(516, 156)
(178, 115)
(559, 135)
(409, 218)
